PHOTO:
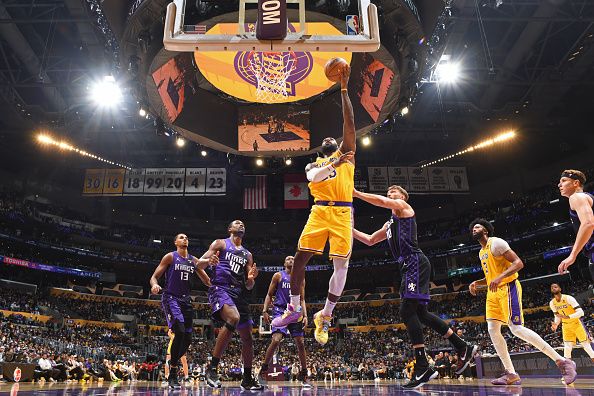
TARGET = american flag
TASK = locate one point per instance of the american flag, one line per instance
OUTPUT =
(254, 192)
(195, 29)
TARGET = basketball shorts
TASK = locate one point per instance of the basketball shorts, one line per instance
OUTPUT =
(416, 276)
(178, 309)
(575, 330)
(333, 223)
(294, 329)
(505, 304)
(169, 344)
(218, 296)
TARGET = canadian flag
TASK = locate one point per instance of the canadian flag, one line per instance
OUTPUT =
(296, 192)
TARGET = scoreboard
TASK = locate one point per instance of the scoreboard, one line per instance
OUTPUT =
(155, 182)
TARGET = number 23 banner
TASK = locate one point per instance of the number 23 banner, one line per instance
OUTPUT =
(156, 181)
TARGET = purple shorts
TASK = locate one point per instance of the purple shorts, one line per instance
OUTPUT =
(219, 296)
(295, 329)
(416, 274)
(178, 309)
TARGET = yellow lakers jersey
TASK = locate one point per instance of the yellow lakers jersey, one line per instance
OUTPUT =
(339, 185)
(494, 266)
(564, 307)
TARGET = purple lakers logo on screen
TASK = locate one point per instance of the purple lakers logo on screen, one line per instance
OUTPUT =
(253, 66)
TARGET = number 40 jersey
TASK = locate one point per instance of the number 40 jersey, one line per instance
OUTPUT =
(230, 272)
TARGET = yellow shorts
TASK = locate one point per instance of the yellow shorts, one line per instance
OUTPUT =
(575, 331)
(334, 223)
(505, 305)
(170, 334)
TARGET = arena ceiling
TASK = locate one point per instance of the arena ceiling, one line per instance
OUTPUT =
(527, 64)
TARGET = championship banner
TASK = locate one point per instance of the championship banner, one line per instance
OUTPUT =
(416, 180)
(378, 179)
(155, 181)
(296, 192)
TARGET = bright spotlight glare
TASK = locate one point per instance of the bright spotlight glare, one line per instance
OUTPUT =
(259, 162)
(203, 153)
(288, 161)
(44, 139)
(142, 112)
(404, 110)
(106, 93)
(366, 141)
(447, 72)
(181, 142)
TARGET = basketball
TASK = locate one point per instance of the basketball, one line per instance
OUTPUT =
(334, 68)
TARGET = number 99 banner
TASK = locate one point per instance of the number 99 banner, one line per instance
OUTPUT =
(156, 181)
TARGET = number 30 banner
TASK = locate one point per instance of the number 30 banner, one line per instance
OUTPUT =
(156, 181)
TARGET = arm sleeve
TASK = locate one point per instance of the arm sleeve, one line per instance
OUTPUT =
(315, 174)
(499, 246)
(577, 314)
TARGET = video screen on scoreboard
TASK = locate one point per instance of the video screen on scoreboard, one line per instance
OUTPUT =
(273, 128)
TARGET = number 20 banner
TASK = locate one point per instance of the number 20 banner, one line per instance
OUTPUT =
(156, 181)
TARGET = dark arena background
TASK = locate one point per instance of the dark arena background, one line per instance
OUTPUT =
(112, 145)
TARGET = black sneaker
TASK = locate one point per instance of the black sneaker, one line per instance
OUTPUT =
(420, 377)
(212, 378)
(465, 357)
(173, 381)
(251, 384)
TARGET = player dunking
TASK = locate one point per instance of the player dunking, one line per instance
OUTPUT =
(569, 313)
(331, 184)
(415, 270)
(571, 185)
(504, 303)
(178, 267)
(234, 275)
(278, 290)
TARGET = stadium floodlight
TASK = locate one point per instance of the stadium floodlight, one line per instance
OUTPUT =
(404, 111)
(288, 161)
(180, 141)
(260, 162)
(203, 153)
(106, 92)
(142, 112)
(447, 71)
(366, 141)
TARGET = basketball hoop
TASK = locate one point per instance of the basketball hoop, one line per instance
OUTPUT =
(271, 71)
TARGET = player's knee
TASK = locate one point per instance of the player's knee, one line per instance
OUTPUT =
(277, 338)
(178, 329)
(408, 309)
(233, 319)
(230, 326)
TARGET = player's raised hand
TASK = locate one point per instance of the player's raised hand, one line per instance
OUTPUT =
(554, 326)
(346, 157)
(214, 259)
(156, 289)
(563, 267)
(253, 273)
(266, 317)
(344, 76)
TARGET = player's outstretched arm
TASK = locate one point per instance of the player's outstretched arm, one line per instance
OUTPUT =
(381, 201)
(370, 240)
(579, 203)
(166, 261)
(268, 299)
(211, 257)
(349, 137)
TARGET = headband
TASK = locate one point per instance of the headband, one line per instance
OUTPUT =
(573, 176)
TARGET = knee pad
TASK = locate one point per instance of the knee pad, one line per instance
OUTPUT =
(229, 327)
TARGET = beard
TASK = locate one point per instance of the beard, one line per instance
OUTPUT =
(329, 149)
(477, 236)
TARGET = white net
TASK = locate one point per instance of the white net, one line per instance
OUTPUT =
(271, 70)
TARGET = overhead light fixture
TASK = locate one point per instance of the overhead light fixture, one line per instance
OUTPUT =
(259, 162)
(366, 141)
(180, 141)
(288, 161)
(203, 153)
(404, 111)
(487, 143)
(106, 92)
(446, 71)
(142, 112)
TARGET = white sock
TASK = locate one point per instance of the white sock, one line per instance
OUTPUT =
(500, 345)
(328, 308)
(534, 339)
(296, 301)
(588, 348)
(567, 348)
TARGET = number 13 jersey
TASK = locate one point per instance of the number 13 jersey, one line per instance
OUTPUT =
(230, 272)
(177, 277)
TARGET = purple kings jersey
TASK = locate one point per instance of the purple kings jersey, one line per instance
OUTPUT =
(230, 272)
(283, 290)
(177, 276)
(402, 236)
